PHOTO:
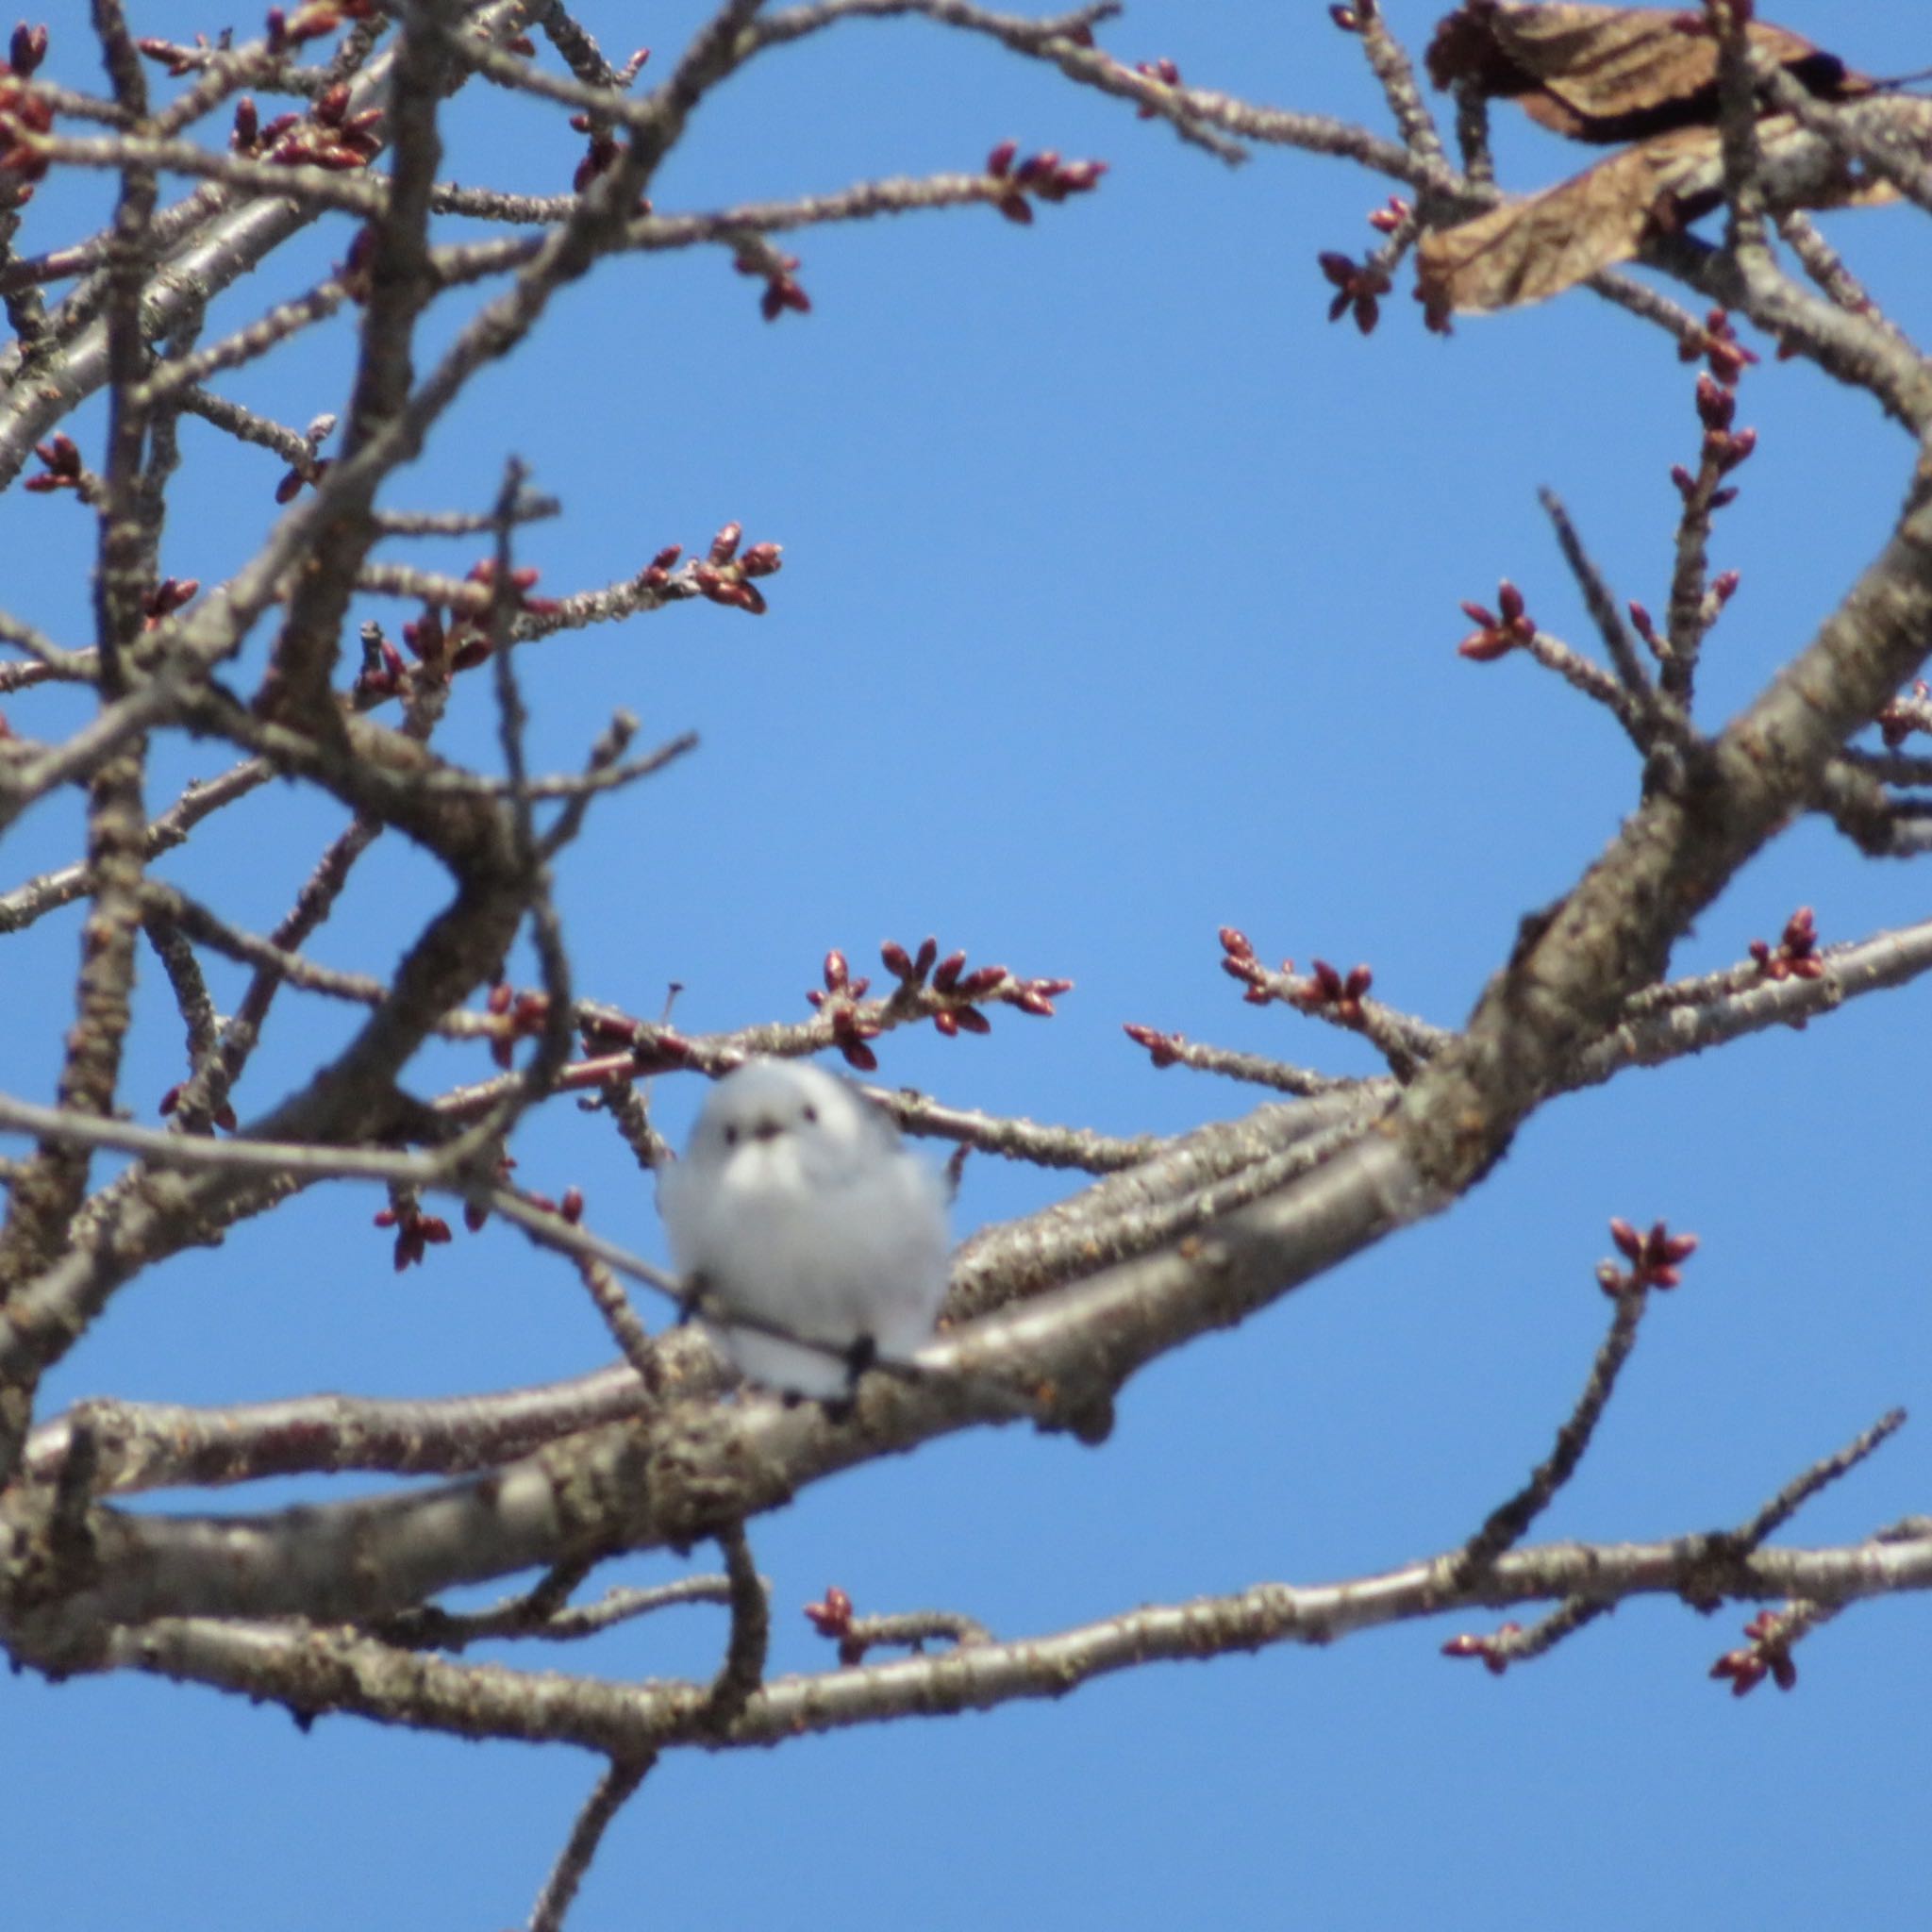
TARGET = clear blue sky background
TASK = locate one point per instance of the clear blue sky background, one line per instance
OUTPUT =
(1120, 602)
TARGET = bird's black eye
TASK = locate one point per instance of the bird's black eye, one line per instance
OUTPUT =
(731, 1137)
(811, 1113)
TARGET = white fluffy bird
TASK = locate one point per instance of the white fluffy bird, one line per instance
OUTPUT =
(795, 1204)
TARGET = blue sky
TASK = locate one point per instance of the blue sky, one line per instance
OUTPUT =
(1119, 603)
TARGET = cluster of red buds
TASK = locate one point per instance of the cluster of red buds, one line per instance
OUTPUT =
(1044, 177)
(1655, 1259)
(1384, 221)
(468, 635)
(782, 290)
(23, 116)
(601, 149)
(311, 22)
(1725, 448)
(1717, 404)
(1795, 956)
(1720, 591)
(523, 1015)
(314, 468)
(1493, 1650)
(1498, 631)
(328, 136)
(522, 581)
(1359, 286)
(61, 455)
(165, 598)
(832, 1619)
(1336, 995)
(725, 575)
(223, 1115)
(1162, 1048)
(1239, 963)
(179, 59)
(1896, 723)
(416, 1232)
(949, 977)
(443, 648)
(657, 574)
(1333, 994)
(1163, 70)
(1718, 345)
(1768, 1655)
(839, 1003)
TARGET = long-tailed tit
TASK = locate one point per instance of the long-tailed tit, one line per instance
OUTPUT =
(795, 1204)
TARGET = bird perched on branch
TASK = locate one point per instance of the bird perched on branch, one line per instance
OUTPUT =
(796, 1205)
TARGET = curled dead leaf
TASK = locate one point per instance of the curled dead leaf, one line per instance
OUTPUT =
(1525, 251)
(1613, 73)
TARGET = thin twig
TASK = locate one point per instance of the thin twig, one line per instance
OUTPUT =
(1714, 1560)
(1390, 66)
(743, 1668)
(614, 1790)
(633, 1340)
(1608, 620)
(1509, 1522)
(1820, 1476)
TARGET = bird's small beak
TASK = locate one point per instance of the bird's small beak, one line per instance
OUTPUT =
(767, 1129)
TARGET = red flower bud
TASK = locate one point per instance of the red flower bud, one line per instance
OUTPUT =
(27, 49)
(1733, 449)
(1716, 405)
(1160, 1046)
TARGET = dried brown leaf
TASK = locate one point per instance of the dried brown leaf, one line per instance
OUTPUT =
(1611, 73)
(1525, 251)
(1528, 250)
